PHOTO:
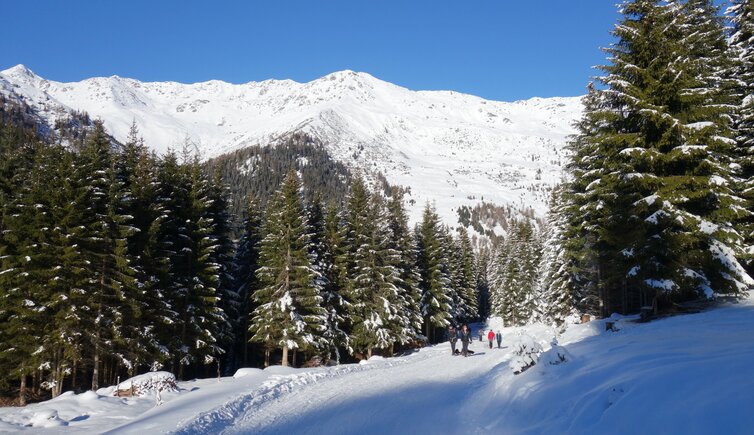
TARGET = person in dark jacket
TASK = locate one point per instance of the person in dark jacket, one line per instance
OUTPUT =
(453, 337)
(491, 337)
(465, 339)
(499, 338)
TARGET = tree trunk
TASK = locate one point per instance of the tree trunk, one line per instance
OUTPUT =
(246, 346)
(267, 357)
(293, 364)
(73, 374)
(369, 352)
(59, 376)
(285, 356)
(95, 372)
(22, 391)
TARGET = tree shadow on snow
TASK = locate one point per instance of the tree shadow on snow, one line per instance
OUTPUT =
(423, 408)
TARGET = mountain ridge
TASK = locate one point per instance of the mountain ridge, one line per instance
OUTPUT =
(450, 148)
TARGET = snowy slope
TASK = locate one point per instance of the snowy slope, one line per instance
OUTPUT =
(448, 147)
(689, 374)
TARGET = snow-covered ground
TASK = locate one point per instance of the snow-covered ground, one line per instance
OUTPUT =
(450, 148)
(691, 374)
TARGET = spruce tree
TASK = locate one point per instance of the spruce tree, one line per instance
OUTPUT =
(246, 263)
(139, 171)
(203, 320)
(110, 287)
(435, 303)
(556, 285)
(327, 246)
(27, 266)
(401, 241)
(655, 148)
(742, 69)
(372, 293)
(289, 314)
(336, 283)
(482, 281)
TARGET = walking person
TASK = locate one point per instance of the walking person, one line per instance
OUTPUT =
(499, 338)
(453, 337)
(481, 334)
(491, 337)
(465, 339)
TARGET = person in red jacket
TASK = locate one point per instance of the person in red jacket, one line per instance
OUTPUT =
(491, 337)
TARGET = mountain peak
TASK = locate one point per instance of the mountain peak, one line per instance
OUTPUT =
(348, 77)
(19, 71)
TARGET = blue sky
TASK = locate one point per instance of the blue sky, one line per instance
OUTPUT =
(502, 49)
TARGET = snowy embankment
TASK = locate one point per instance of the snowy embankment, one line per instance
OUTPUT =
(685, 374)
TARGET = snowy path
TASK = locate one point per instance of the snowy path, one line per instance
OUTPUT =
(386, 396)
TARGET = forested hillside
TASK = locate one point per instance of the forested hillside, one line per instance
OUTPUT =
(257, 172)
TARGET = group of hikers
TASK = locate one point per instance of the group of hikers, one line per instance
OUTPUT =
(465, 335)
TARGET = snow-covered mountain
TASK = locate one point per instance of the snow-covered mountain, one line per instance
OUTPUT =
(450, 148)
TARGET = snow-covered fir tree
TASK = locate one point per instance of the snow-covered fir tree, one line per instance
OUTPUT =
(401, 240)
(465, 280)
(246, 263)
(336, 280)
(742, 69)
(556, 285)
(652, 164)
(482, 272)
(289, 314)
(376, 317)
(109, 291)
(514, 296)
(435, 303)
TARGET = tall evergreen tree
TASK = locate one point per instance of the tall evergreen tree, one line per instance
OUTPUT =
(27, 268)
(401, 240)
(109, 290)
(516, 276)
(139, 172)
(289, 314)
(203, 320)
(742, 46)
(246, 263)
(328, 248)
(435, 303)
(655, 142)
(464, 275)
(556, 285)
(372, 292)
(482, 281)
